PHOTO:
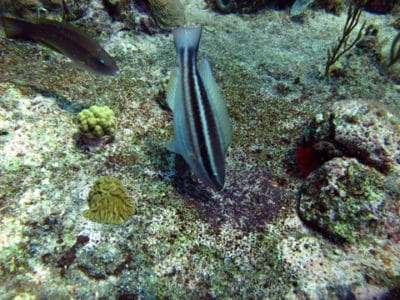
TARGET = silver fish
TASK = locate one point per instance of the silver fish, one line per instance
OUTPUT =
(203, 130)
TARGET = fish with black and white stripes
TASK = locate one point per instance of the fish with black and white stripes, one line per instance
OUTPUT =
(203, 129)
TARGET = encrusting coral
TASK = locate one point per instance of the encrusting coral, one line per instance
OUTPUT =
(96, 122)
(108, 202)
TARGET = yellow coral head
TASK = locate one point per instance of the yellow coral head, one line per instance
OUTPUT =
(108, 202)
(96, 122)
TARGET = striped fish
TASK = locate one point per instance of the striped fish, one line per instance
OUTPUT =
(203, 130)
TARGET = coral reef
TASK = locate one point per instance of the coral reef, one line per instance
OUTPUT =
(108, 202)
(96, 122)
(246, 242)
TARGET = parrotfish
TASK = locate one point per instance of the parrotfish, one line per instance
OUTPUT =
(64, 38)
(203, 129)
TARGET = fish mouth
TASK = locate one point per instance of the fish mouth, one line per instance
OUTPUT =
(116, 71)
(112, 71)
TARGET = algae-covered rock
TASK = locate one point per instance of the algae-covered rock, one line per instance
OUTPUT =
(365, 130)
(351, 155)
(343, 199)
(108, 202)
(168, 13)
(246, 6)
(101, 261)
(50, 9)
(96, 122)
(368, 131)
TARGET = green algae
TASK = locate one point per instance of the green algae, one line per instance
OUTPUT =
(12, 260)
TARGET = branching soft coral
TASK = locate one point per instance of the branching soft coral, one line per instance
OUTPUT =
(343, 45)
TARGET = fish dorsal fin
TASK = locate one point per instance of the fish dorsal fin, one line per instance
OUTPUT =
(217, 100)
(172, 88)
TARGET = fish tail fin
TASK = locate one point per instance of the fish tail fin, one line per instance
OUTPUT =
(15, 28)
(187, 38)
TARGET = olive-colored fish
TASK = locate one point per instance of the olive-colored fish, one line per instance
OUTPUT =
(64, 38)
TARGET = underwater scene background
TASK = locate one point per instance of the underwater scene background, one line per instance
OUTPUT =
(93, 205)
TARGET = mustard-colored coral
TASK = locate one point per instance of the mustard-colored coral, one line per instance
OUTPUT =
(108, 202)
(96, 122)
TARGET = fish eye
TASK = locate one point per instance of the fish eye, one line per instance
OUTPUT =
(101, 61)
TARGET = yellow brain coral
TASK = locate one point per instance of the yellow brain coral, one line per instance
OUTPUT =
(108, 202)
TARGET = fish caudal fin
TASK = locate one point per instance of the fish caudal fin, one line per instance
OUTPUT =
(15, 29)
(187, 38)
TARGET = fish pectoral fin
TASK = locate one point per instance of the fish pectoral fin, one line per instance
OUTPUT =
(217, 100)
(172, 147)
(47, 44)
(172, 88)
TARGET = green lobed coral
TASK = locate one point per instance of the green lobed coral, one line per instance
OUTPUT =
(96, 122)
(108, 202)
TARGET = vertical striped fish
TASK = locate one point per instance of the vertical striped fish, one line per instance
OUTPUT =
(203, 130)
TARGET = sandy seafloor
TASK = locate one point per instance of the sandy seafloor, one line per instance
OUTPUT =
(246, 242)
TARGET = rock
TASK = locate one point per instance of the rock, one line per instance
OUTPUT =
(344, 200)
(365, 130)
(168, 13)
(100, 262)
(351, 193)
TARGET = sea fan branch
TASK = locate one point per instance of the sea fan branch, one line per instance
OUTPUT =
(343, 45)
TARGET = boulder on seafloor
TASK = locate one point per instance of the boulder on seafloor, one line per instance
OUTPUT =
(353, 193)
(344, 199)
(365, 130)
